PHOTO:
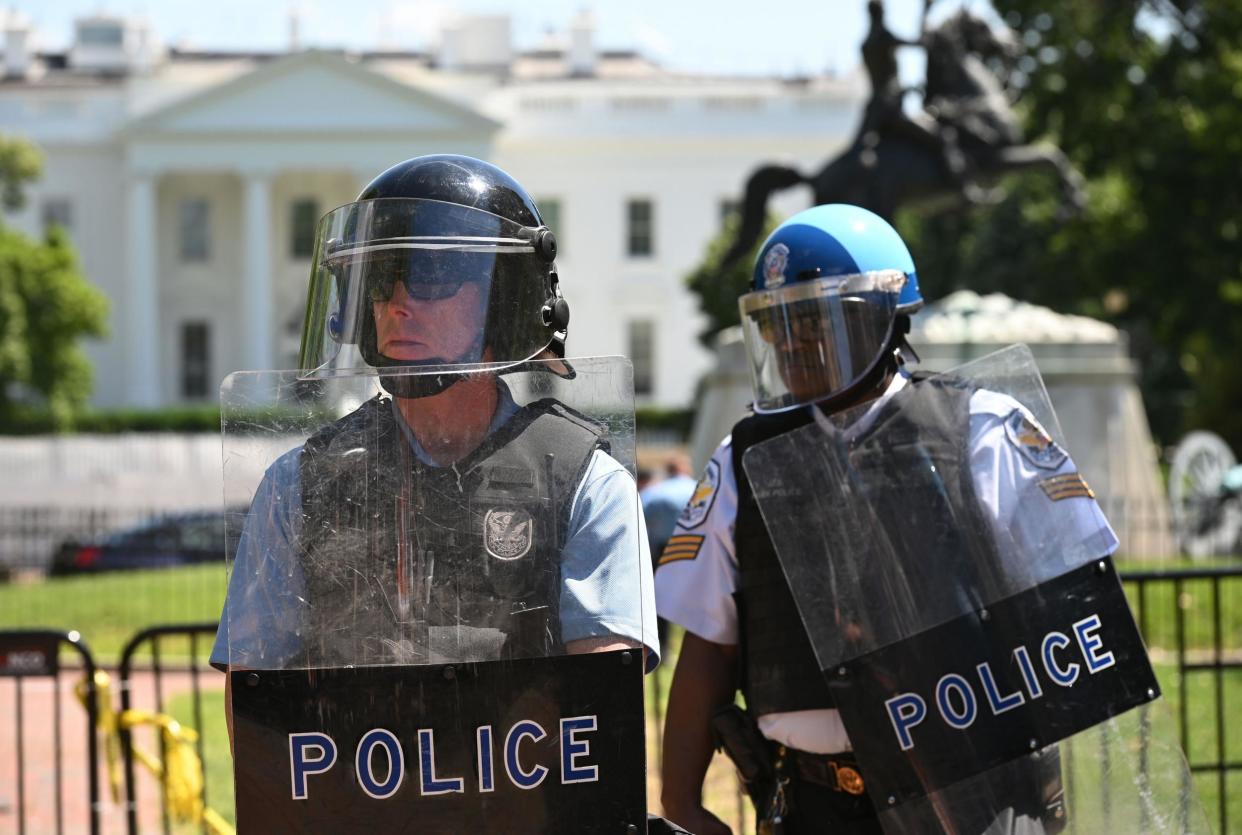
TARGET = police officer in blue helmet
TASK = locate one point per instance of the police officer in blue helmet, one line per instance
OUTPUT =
(833, 290)
(825, 328)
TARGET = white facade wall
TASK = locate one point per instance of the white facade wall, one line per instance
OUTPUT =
(317, 126)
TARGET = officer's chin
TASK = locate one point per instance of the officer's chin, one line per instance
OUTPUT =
(411, 352)
(808, 384)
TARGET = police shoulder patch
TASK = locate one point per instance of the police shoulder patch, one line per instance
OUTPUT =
(1032, 441)
(508, 534)
(696, 510)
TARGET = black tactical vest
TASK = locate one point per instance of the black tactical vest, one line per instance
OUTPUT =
(410, 563)
(779, 672)
(926, 422)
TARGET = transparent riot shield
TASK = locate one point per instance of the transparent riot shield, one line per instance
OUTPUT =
(440, 608)
(955, 578)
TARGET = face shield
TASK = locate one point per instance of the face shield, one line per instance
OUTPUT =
(415, 283)
(812, 340)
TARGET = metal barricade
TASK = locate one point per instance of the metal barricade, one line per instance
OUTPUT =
(144, 653)
(34, 694)
(1206, 648)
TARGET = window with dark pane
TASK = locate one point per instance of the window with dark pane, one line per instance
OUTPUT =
(641, 228)
(642, 355)
(304, 216)
(195, 359)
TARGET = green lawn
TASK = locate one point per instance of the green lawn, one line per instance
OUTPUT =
(110, 608)
(107, 609)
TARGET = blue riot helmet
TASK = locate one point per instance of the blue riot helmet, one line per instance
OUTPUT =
(436, 233)
(829, 309)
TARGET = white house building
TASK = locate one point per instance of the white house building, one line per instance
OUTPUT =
(190, 181)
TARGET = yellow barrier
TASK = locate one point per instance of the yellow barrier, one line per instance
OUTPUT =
(181, 773)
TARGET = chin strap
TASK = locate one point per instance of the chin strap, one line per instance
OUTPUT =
(412, 386)
(902, 348)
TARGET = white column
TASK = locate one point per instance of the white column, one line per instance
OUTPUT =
(256, 296)
(140, 318)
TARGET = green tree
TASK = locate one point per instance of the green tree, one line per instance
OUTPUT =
(718, 288)
(20, 165)
(46, 308)
(1144, 96)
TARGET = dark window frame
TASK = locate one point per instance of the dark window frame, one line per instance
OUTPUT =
(303, 219)
(195, 356)
(641, 342)
(640, 221)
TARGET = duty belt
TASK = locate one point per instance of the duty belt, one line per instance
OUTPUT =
(838, 772)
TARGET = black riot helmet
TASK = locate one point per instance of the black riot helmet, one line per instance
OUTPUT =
(430, 237)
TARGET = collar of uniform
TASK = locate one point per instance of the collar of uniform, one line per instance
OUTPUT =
(506, 407)
(854, 423)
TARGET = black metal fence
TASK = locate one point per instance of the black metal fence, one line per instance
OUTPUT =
(146, 651)
(1205, 648)
(61, 793)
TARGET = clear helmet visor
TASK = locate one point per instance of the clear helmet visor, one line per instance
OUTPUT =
(421, 283)
(812, 340)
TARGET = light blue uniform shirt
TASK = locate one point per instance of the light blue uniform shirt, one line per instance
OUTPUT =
(662, 504)
(606, 583)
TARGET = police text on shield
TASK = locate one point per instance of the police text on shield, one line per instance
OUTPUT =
(957, 699)
(312, 753)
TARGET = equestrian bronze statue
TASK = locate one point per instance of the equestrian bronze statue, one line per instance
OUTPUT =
(964, 139)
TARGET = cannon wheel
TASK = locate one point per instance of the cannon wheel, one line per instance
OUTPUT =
(1204, 522)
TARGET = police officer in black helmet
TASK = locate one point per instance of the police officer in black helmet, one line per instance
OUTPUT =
(442, 276)
(460, 498)
(452, 516)
(454, 235)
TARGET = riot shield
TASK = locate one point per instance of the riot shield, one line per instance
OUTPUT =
(437, 624)
(958, 590)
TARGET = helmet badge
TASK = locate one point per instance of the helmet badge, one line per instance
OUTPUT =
(774, 266)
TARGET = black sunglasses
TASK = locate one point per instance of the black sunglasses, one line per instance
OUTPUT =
(427, 275)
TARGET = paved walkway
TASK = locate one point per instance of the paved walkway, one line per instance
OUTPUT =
(55, 790)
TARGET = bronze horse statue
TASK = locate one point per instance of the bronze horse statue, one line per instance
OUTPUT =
(883, 170)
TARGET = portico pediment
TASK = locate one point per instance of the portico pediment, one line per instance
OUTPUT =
(311, 93)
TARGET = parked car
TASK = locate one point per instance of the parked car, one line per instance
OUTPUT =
(162, 542)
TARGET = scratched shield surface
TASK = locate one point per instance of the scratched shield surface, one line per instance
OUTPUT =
(403, 618)
(955, 579)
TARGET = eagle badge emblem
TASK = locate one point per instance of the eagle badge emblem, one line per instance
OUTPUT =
(1033, 441)
(508, 534)
(695, 511)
